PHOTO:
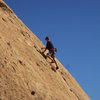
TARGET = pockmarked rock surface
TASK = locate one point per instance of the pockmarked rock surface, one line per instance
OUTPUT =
(24, 73)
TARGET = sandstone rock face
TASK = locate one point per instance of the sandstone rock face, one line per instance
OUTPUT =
(24, 73)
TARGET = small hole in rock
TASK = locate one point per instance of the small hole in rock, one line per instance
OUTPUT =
(71, 90)
(37, 64)
(33, 93)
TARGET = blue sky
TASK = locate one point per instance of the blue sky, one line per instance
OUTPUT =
(74, 28)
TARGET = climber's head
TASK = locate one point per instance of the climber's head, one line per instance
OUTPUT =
(47, 39)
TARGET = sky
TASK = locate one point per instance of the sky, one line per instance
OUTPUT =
(74, 28)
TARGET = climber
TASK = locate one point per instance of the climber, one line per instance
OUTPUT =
(52, 51)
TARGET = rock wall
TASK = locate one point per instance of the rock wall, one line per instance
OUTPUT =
(24, 73)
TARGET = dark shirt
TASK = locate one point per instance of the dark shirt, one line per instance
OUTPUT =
(49, 45)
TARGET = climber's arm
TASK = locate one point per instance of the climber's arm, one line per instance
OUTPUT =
(44, 48)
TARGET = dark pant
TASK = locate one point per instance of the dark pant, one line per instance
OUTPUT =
(52, 53)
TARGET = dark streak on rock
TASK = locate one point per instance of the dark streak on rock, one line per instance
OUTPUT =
(14, 68)
(38, 64)
(65, 80)
(11, 20)
(3, 19)
(8, 43)
(35, 46)
(14, 63)
(24, 33)
(20, 62)
(75, 94)
(4, 7)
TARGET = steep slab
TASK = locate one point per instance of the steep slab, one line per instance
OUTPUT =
(24, 73)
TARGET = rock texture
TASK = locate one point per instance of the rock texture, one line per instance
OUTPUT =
(24, 73)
